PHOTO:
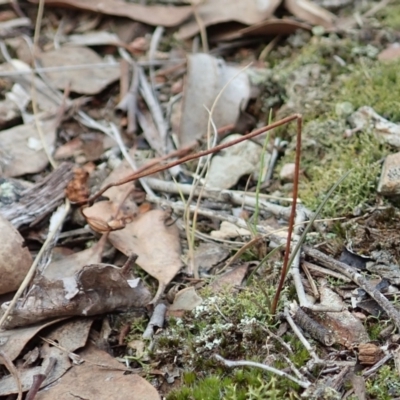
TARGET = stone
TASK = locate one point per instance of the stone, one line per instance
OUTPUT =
(389, 182)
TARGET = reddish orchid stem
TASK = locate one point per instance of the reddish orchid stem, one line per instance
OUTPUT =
(285, 266)
(151, 171)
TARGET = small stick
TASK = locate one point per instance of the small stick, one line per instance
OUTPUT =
(39, 379)
(304, 384)
(301, 337)
(13, 371)
(190, 157)
(156, 320)
(358, 279)
(32, 269)
(316, 330)
(129, 263)
(286, 265)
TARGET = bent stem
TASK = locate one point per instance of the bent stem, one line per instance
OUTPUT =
(286, 265)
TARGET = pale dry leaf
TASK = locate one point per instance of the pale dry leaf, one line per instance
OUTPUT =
(15, 259)
(84, 81)
(212, 12)
(100, 378)
(206, 76)
(155, 242)
(227, 230)
(390, 53)
(21, 144)
(310, 12)
(46, 99)
(167, 16)
(186, 299)
(230, 279)
(229, 165)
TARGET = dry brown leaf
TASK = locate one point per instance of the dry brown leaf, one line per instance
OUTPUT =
(212, 12)
(71, 335)
(15, 259)
(99, 379)
(390, 53)
(230, 279)
(274, 27)
(311, 13)
(71, 264)
(22, 143)
(153, 15)
(13, 341)
(348, 330)
(83, 81)
(95, 289)
(155, 242)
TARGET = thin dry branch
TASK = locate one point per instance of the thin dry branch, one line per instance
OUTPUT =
(41, 199)
(351, 273)
(190, 157)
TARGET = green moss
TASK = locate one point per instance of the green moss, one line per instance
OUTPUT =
(385, 384)
(232, 326)
(390, 16)
(360, 154)
(315, 84)
(374, 84)
(243, 384)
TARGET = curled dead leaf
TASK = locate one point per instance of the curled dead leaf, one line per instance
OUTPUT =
(106, 216)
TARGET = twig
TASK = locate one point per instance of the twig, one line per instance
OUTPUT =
(301, 337)
(286, 264)
(379, 364)
(128, 158)
(351, 273)
(154, 107)
(35, 263)
(156, 320)
(302, 383)
(13, 371)
(232, 196)
(180, 207)
(40, 199)
(39, 379)
(155, 40)
(199, 154)
(316, 330)
(295, 271)
(325, 271)
(311, 281)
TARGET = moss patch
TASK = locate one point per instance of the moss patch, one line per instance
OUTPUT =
(316, 85)
(236, 327)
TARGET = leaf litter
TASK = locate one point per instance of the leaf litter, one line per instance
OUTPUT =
(120, 261)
